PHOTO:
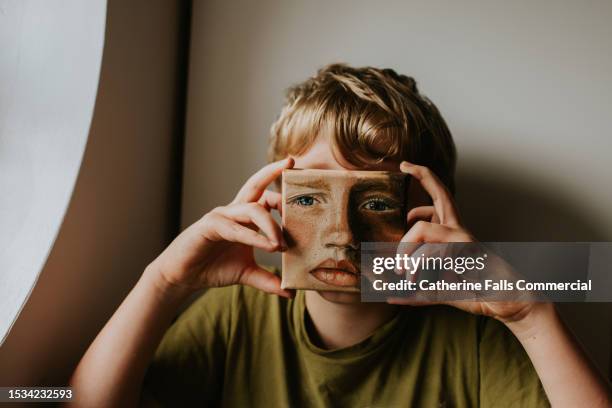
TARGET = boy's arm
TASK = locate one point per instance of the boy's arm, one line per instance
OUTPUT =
(567, 375)
(216, 250)
(111, 371)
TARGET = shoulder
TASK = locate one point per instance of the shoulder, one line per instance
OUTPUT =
(460, 336)
(491, 337)
(453, 322)
(505, 374)
(459, 322)
(232, 307)
(228, 300)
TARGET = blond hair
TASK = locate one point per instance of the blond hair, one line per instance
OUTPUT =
(372, 114)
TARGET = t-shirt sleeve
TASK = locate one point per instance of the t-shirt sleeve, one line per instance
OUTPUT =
(507, 376)
(187, 368)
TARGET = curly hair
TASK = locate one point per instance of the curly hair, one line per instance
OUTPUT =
(372, 115)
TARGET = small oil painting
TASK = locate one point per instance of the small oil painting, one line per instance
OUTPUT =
(326, 214)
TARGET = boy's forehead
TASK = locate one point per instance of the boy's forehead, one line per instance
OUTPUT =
(321, 155)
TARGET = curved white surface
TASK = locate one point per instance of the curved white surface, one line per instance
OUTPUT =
(49, 71)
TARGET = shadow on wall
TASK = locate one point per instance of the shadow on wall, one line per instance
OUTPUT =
(499, 209)
(502, 210)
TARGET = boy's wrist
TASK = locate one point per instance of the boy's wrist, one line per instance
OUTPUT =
(164, 289)
(538, 320)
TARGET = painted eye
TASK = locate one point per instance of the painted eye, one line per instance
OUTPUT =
(376, 204)
(305, 201)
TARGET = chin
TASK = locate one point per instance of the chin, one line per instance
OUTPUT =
(340, 297)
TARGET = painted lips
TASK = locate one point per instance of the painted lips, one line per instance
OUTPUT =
(337, 273)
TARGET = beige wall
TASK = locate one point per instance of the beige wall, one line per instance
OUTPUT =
(124, 207)
(525, 87)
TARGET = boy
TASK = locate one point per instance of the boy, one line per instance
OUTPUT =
(240, 346)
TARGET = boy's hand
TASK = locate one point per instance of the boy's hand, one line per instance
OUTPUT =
(440, 223)
(217, 250)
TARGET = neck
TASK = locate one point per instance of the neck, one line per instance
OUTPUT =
(339, 325)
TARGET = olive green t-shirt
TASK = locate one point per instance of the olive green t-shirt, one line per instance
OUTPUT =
(240, 347)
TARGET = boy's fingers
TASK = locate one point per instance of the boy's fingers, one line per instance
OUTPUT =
(424, 213)
(255, 186)
(272, 200)
(253, 213)
(415, 250)
(229, 230)
(261, 279)
(410, 302)
(423, 231)
(442, 200)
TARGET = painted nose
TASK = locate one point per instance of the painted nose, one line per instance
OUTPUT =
(339, 233)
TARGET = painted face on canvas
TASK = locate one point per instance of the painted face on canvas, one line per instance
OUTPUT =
(327, 214)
